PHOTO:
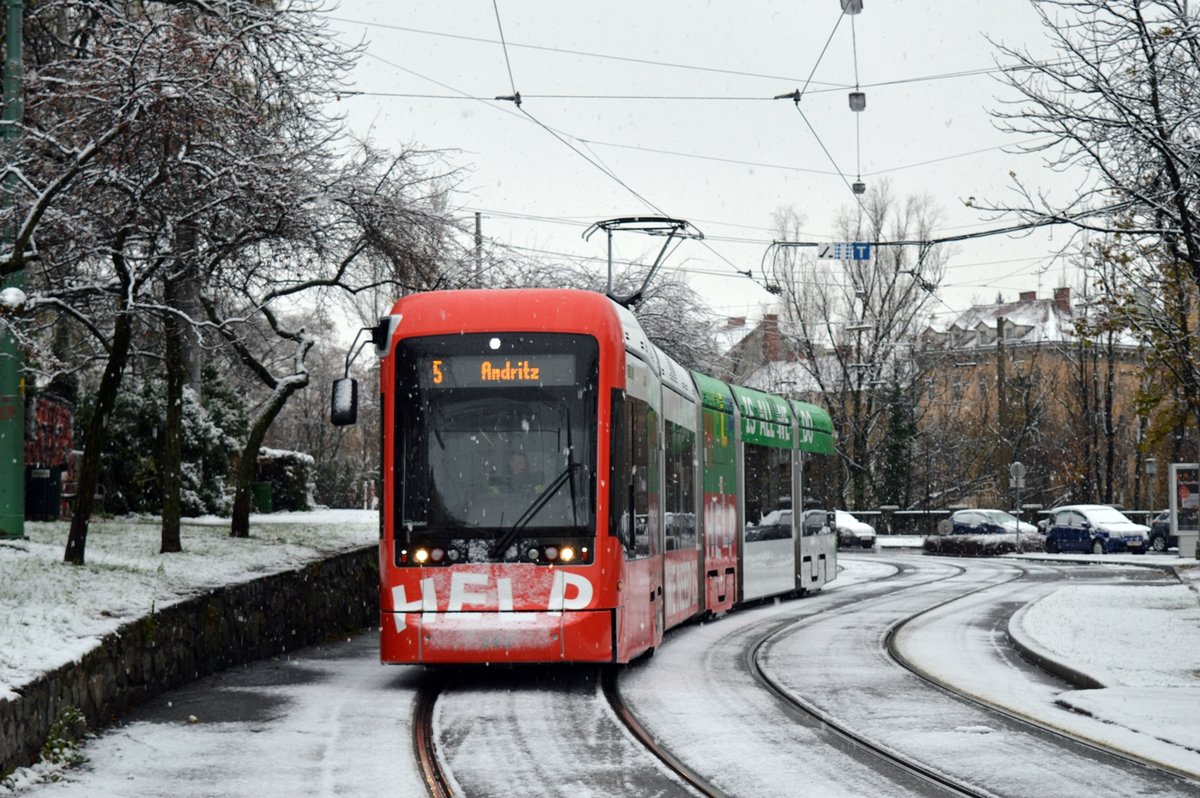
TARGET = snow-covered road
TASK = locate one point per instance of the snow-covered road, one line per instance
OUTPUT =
(330, 721)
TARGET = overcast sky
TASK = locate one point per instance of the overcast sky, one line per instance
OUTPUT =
(712, 146)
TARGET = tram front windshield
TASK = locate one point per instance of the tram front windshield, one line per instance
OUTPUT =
(496, 444)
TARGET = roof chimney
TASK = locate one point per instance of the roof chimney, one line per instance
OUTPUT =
(1027, 296)
(770, 339)
(1062, 299)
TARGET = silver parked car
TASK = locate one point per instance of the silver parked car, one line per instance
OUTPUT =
(852, 532)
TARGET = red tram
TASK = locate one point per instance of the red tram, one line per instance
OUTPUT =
(556, 488)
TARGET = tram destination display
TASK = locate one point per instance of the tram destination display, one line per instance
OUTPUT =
(482, 371)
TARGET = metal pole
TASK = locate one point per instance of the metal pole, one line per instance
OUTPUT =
(12, 381)
(478, 249)
(1019, 481)
(609, 289)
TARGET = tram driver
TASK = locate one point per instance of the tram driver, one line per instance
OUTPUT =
(520, 480)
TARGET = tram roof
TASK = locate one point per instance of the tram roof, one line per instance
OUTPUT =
(815, 428)
(675, 376)
(766, 418)
(714, 394)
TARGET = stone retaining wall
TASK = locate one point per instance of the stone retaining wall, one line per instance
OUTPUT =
(194, 638)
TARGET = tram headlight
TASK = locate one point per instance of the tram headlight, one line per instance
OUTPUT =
(567, 554)
(421, 556)
(437, 555)
(551, 553)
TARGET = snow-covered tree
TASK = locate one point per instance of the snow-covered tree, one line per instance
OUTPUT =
(1116, 106)
(854, 323)
(180, 172)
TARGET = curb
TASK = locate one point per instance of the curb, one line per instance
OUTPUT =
(1044, 659)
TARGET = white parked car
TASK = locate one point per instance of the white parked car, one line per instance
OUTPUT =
(852, 532)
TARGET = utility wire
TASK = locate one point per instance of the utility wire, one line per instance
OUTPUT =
(829, 155)
(507, 62)
(611, 175)
(828, 87)
(817, 63)
(566, 51)
(620, 97)
(516, 98)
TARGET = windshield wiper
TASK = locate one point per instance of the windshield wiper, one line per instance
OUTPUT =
(506, 539)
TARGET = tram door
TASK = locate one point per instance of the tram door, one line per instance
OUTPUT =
(637, 511)
(818, 537)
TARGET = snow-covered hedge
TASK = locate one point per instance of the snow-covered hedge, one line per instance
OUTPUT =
(131, 474)
(290, 474)
(982, 545)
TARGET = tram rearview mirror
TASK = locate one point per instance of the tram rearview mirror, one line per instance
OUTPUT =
(343, 404)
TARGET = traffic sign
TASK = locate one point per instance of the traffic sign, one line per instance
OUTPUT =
(845, 250)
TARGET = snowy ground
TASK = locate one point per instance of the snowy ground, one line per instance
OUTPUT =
(1142, 642)
(53, 612)
(1143, 645)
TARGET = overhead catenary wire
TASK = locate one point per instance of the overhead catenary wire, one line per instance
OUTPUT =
(594, 159)
(490, 101)
(524, 114)
(595, 162)
(584, 222)
(798, 95)
(516, 98)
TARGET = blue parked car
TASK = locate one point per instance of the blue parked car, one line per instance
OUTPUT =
(1095, 528)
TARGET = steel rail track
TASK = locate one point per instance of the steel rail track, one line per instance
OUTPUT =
(1012, 714)
(436, 781)
(611, 690)
(854, 741)
(608, 681)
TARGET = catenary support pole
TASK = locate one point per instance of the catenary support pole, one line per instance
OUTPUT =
(12, 381)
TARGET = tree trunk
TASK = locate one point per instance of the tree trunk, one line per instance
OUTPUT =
(185, 297)
(1110, 430)
(248, 464)
(171, 467)
(96, 435)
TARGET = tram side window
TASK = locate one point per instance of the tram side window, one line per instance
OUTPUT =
(680, 488)
(641, 421)
(620, 488)
(768, 492)
(818, 486)
(633, 462)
